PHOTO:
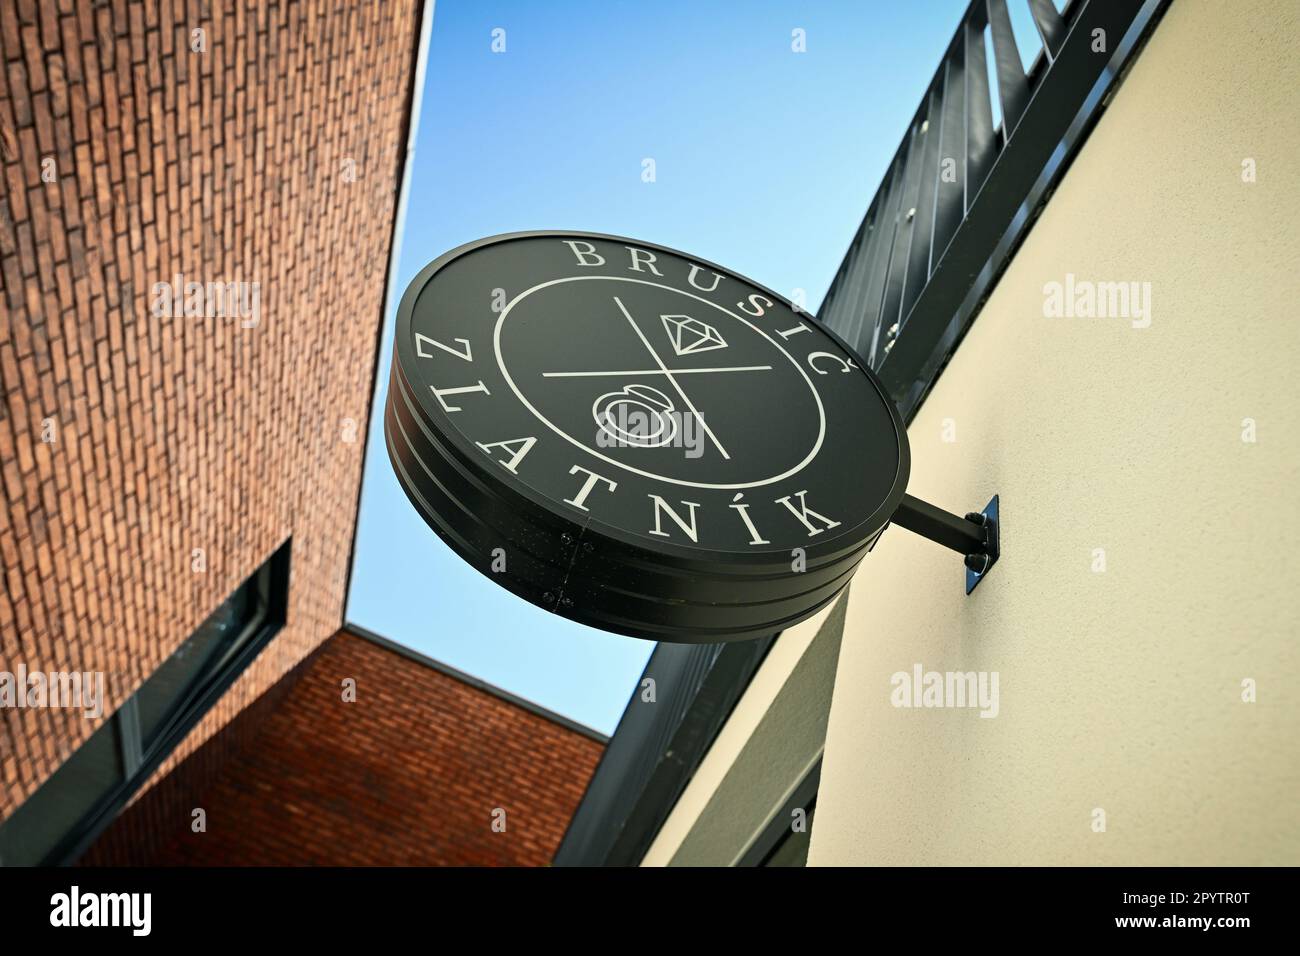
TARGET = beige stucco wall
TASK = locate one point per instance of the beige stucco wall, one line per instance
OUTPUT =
(1119, 690)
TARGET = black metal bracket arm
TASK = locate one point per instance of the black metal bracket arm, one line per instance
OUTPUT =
(974, 536)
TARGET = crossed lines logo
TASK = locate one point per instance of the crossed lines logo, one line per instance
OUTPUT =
(642, 416)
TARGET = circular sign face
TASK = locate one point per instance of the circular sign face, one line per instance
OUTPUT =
(638, 439)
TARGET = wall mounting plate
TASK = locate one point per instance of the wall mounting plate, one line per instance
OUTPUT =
(990, 514)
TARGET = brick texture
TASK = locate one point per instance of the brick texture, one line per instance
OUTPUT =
(409, 773)
(271, 156)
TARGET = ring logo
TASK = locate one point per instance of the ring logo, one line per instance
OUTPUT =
(103, 909)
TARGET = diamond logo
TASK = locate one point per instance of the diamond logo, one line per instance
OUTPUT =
(690, 336)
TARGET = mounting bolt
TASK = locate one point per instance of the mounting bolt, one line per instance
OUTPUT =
(566, 538)
(975, 536)
(548, 598)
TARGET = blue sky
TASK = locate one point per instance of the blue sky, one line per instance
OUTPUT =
(765, 161)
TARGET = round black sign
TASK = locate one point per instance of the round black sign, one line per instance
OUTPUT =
(637, 439)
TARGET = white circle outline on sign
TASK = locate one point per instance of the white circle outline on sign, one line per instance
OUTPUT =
(821, 411)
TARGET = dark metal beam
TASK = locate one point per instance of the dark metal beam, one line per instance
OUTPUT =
(963, 535)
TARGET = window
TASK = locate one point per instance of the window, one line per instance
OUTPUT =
(65, 815)
(161, 699)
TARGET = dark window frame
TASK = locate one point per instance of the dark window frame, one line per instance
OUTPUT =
(138, 760)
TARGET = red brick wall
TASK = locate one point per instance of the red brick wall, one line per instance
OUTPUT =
(177, 434)
(409, 773)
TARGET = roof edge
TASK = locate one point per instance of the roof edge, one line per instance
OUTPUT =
(477, 683)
